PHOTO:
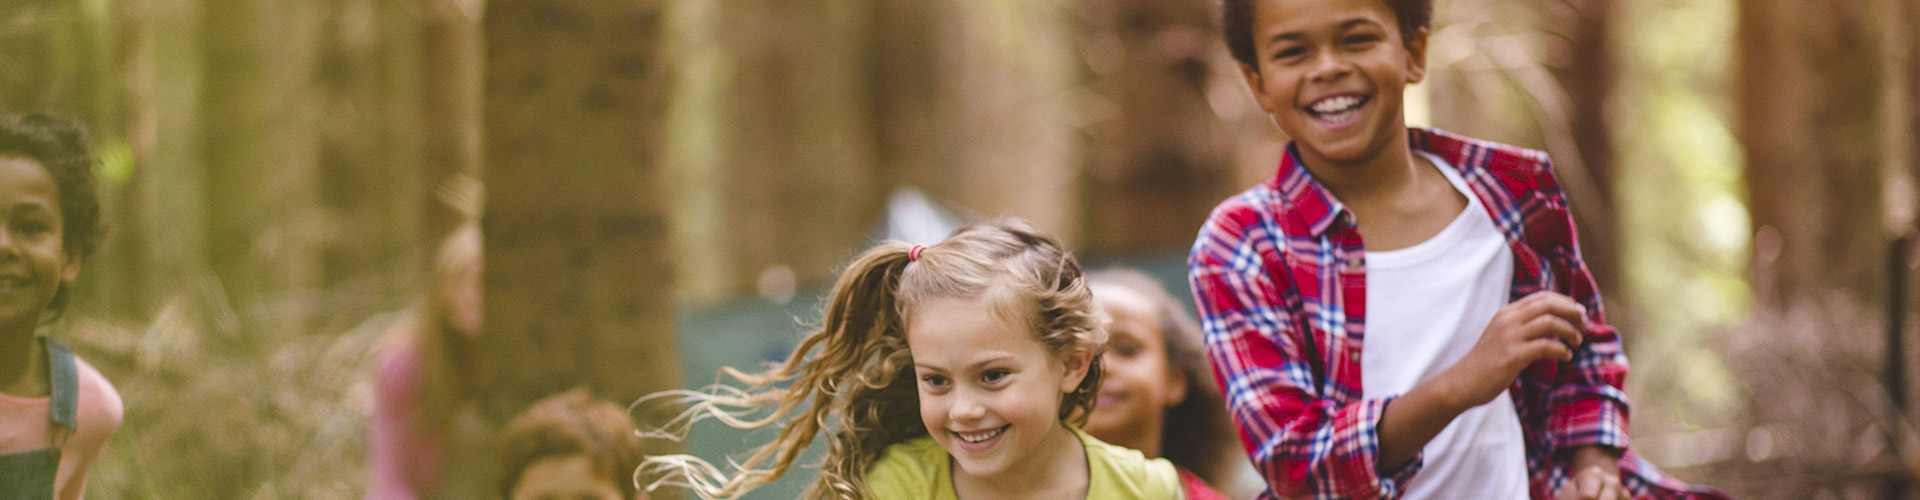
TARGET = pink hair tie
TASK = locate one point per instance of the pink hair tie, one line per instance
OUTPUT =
(913, 254)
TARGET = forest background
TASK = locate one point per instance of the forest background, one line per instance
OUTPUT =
(669, 182)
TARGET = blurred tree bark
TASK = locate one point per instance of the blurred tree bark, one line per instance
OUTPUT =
(1008, 97)
(264, 215)
(577, 246)
(1588, 75)
(360, 177)
(172, 190)
(799, 184)
(451, 57)
(129, 239)
(28, 54)
(1810, 122)
(1156, 159)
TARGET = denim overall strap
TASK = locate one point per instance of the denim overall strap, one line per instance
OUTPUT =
(30, 475)
(65, 386)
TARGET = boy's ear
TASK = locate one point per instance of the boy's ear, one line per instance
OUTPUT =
(1078, 362)
(1252, 74)
(1417, 56)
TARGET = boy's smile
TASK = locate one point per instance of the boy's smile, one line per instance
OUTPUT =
(1332, 74)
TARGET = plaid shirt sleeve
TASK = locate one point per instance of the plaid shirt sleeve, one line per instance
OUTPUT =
(1305, 445)
(1587, 406)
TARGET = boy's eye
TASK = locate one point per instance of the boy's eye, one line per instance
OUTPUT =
(33, 227)
(1290, 53)
(1362, 40)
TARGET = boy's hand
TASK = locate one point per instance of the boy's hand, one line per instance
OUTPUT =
(1596, 476)
(1539, 326)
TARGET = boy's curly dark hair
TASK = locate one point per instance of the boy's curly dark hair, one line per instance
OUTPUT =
(1236, 24)
(60, 146)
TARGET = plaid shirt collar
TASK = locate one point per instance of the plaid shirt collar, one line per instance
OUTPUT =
(1310, 205)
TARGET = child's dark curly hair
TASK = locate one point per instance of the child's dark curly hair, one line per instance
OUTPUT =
(60, 146)
(1236, 24)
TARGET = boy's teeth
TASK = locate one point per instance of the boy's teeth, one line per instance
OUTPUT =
(1335, 104)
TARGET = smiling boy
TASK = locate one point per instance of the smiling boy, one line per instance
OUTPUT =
(1402, 312)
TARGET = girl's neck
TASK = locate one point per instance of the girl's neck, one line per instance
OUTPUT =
(1147, 440)
(21, 364)
(1057, 468)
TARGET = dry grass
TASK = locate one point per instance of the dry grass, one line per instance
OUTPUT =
(268, 402)
(1817, 416)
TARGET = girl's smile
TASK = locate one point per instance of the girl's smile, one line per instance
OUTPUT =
(33, 260)
(990, 392)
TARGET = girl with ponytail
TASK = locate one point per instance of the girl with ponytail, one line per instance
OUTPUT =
(960, 370)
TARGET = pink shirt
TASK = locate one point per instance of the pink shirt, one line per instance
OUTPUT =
(24, 426)
(403, 453)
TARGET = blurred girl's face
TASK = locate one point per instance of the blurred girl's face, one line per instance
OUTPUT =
(989, 391)
(1138, 385)
(33, 262)
(463, 299)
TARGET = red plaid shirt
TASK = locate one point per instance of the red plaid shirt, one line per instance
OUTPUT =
(1279, 276)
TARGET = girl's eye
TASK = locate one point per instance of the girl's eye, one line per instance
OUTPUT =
(934, 380)
(33, 228)
(1126, 350)
(992, 376)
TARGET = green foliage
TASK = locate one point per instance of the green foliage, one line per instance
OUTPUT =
(1684, 222)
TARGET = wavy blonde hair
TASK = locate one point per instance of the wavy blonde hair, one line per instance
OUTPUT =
(852, 379)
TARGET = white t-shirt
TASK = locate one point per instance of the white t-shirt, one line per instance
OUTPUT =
(1426, 306)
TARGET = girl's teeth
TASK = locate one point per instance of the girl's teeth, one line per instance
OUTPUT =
(977, 437)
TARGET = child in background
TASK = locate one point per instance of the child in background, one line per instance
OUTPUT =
(1156, 393)
(570, 446)
(56, 411)
(953, 371)
(1403, 312)
(424, 384)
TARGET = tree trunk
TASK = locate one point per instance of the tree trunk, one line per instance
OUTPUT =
(266, 226)
(361, 183)
(1157, 163)
(798, 161)
(129, 245)
(1588, 76)
(1809, 120)
(28, 54)
(578, 276)
(450, 50)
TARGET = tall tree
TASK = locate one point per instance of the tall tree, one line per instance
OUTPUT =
(450, 59)
(1588, 76)
(1809, 119)
(258, 122)
(577, 253)
(362, 179)
(799, 188)
(1156, 162)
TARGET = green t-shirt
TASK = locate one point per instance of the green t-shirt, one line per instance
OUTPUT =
(919, 469)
